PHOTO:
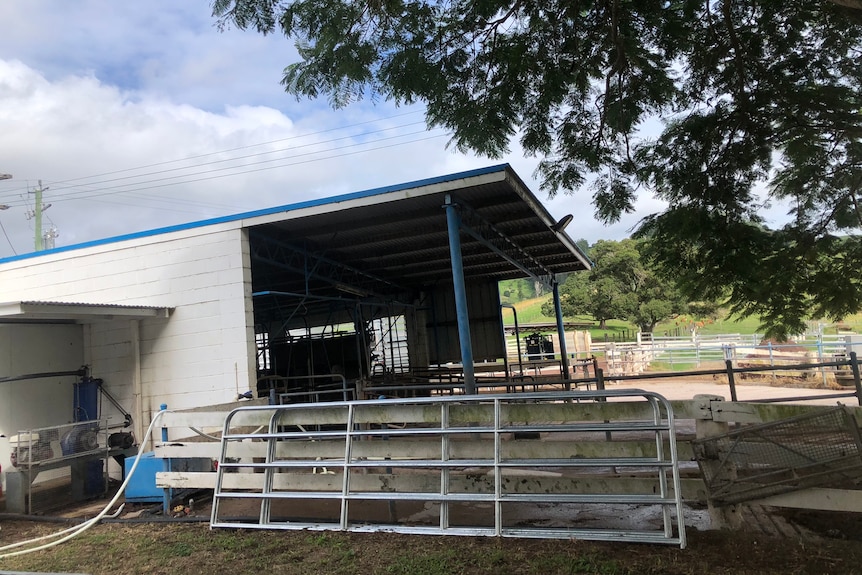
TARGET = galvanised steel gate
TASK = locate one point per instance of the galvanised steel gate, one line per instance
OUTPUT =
(546, 465)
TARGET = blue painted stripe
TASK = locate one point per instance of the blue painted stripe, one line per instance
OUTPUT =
(266, 211)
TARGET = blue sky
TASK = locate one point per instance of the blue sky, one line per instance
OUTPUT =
(137, 115)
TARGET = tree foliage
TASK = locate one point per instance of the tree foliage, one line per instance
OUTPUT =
(715, 107)
(621, 285)
(516, 290)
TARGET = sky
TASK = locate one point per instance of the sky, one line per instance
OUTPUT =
(138, 115)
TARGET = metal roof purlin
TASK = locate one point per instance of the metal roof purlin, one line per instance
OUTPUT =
(478, 227)
(531, 200)
(331, 271)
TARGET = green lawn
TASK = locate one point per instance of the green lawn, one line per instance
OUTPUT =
(530, 311)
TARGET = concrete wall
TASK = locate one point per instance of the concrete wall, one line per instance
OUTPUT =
(202, 354)
(34, 403)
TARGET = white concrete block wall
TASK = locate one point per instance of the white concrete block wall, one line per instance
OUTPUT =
(203, 354)
(108, 351)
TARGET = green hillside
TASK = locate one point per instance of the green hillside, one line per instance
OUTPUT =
(530, 311)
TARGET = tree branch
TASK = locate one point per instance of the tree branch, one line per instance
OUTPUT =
(737, 49)
(854, 4)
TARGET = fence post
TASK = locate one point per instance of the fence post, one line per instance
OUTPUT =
(600, 386)
(854, 367)
(771, 360)
(820, 356)
(721, 516)
(730, 379)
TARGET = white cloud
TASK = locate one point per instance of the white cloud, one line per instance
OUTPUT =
(100, 100)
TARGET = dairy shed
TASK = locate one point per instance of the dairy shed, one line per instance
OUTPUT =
(295, 302)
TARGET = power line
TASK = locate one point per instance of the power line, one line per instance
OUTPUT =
(208, 154)
(202, 179)
(245, 157)
(2, 227)
(60, 183)
(134, 191)
(235, 170)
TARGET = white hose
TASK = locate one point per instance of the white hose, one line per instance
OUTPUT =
(71, 532)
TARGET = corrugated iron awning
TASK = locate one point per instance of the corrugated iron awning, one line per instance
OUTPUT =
(75, 312)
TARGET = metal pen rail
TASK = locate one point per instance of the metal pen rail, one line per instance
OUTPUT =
(322, 387)
(510, 465)
(817, 449)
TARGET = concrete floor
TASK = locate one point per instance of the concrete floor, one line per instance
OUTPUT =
(688, 388)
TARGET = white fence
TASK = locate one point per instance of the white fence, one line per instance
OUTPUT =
(675, 353)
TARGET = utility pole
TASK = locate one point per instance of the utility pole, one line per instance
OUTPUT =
(38, 209)
(37, 213)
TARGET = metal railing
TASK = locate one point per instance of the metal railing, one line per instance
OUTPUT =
(455, 465)
(851, 363)
(311, 388)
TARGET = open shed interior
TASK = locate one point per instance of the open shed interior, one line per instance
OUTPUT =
(368, 290)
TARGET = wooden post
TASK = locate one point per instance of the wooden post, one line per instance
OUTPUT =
(854, 367)
(730, 379)
(726, 516)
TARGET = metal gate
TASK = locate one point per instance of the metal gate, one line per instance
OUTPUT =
(547, 465)
(820, 449)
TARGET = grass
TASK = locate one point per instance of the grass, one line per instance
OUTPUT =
(437, 563)
(194, 549)
(667, 366)
(530, 311)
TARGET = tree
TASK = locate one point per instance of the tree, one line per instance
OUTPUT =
(757, 101)
(581, 296)
(517, 290)
(621, 285)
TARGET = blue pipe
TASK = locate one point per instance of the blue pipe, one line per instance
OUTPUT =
(453, 221)
(561, 330)
(167, 493)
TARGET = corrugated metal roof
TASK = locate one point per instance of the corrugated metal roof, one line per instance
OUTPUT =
(398, 243)
(86, 304)
(76, 311)
(393, 241)
(283, 209)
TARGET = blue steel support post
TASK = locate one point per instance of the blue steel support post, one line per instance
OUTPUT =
(453, 220)
(166, 501)
(561, 330)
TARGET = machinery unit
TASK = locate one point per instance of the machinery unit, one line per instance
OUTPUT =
(84, 446)
(539, 346)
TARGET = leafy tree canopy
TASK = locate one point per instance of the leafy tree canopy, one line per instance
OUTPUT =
(703, 103)
(621, 285)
